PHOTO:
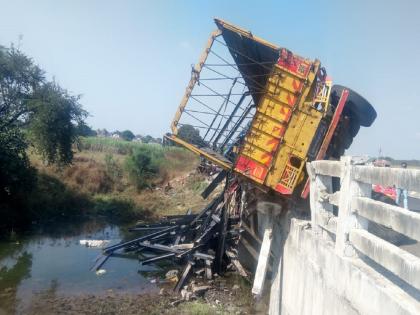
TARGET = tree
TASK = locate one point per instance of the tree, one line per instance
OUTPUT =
(17, 177)
(84, 130)
(142, 165)
(53, 121)
(127, 135)
(33, 112)
(46, 112)
(148, 139)
(191, 135)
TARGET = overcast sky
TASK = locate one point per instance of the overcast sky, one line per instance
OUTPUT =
(131, 59)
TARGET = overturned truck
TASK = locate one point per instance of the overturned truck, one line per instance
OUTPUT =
(262, 111)
(257, 113)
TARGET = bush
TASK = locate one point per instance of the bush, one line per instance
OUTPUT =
(143, 165)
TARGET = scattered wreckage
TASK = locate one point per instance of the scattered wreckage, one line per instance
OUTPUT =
(203, 243)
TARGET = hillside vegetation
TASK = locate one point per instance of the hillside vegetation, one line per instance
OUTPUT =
(119, 180)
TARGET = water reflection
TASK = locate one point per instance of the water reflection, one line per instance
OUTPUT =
(11, 275)
(53, 261)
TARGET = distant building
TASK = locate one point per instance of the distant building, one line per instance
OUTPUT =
(138, 139)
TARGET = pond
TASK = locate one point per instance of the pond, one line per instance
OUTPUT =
(54, 260)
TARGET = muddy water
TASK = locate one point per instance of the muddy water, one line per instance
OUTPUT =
(54, 261)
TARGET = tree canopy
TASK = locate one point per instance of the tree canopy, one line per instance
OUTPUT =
(127, 135)
(84, 130)
(33, 112)
(191, 135)
(47, 113)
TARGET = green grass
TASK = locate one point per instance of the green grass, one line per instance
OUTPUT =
(116, 146)
(172, 160)
(97, 183)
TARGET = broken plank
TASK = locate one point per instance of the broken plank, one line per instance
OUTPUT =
(189, 251)
(100, 262)
(183, 246)
(212, 186)
(262, 265)
(178, 217)
(160, 247)
(215, 218)
(238, 266)
(159, 236)
(112, 248)
(203, 256)
(210, 206)
(148, 228)
(157, 258)
(206, 234)
(222, 240)
(185, 274)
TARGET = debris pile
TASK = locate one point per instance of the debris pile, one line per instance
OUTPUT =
(203, 243)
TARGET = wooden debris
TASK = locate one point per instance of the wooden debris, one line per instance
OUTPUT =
(185, 274)
(157, 258)
(203, 256)
(222, 236)
(212, 186)
(113, 248)
(198, 242)
(99, 262)
(235, 261)
(183, 246)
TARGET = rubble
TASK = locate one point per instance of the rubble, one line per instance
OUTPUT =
(203, 243)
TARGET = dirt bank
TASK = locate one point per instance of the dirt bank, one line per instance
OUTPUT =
(228, 295)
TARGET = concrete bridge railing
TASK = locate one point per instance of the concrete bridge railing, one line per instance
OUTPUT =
(356, 208)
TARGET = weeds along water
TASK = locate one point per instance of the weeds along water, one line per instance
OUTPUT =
(100, 182)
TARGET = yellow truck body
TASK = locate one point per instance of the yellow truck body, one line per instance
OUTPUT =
(291, 105)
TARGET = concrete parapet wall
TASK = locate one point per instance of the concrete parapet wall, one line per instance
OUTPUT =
(314, 279)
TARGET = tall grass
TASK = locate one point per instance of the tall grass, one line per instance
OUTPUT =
(115, 146)
(171, 161)
(98, 182)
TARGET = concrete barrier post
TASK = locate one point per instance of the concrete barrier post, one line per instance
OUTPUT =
(320, 187)
(347, 220)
